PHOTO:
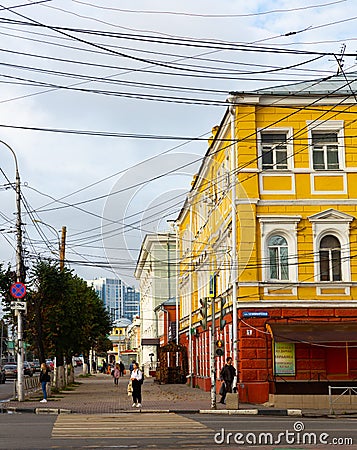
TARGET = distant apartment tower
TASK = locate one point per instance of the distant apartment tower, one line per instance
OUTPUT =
(131, 302)
(119, 300)
(111, 292)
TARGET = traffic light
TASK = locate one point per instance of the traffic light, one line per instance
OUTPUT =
(222, 322)
(212, 285)
(203, 312)
(219, 350)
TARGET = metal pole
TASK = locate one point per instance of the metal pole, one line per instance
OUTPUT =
(234, 244)
(213, 360)
(191, 299)
(177, 287)
(20, 358)
(2, 339)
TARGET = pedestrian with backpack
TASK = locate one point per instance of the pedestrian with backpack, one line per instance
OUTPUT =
(136, 379)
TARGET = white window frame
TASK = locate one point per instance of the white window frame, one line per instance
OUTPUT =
(330, 259)
(336, 224)
(289, 147)
(279, 257)
(285, 226)
(325, 127)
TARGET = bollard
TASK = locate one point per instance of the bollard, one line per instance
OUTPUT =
(232, 401)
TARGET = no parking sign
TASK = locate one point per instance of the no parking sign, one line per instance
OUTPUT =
(18, 290)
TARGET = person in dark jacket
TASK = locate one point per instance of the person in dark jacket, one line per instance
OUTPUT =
(227, 375)
(45, 378)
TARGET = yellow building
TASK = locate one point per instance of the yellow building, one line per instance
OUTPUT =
(271, 219)
(119, 338)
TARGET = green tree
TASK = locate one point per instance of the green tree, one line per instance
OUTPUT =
(7, 277)
(65, 317)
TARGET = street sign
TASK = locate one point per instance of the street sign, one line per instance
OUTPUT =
(18, 290)
(19, 306)
(255, 314)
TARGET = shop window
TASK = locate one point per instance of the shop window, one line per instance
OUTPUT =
(336, 360)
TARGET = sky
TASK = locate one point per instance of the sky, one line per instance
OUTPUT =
(109, 105)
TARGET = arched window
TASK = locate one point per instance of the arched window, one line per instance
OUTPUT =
(330, 259)
(278, 258)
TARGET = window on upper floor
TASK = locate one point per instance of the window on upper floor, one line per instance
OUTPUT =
(274, 150)
(330, 259)
(326, 141)
(325, 150)
(278, 258)
(279, 247)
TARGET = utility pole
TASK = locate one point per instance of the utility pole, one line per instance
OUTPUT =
(212, 295)
(63, 247)
(20, 350)
(2, 339)
(213, 359)
(234, 271)
(19, 278)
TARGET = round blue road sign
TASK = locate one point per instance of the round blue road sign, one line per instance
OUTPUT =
(18, 290)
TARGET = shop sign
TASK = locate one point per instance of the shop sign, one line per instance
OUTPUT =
(284, 358)
(247, 314)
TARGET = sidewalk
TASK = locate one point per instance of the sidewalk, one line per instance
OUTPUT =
(98, 395)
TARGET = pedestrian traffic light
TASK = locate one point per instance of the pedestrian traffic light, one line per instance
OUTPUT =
(203, 312)
(222, 322)
(219, 350)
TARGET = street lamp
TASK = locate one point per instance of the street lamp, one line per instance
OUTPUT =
(19, 277)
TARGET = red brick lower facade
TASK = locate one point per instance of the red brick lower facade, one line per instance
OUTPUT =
(315, 364)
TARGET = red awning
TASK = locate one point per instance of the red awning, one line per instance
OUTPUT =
(313, 332)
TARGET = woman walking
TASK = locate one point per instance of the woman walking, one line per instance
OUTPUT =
(136, 378)
(45, 378)
(116, 374)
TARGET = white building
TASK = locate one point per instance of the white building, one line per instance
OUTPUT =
(156, 272)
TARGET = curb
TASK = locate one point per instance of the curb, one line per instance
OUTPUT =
(243, 412)
(237, 412)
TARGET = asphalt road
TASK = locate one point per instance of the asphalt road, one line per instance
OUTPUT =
(172, 431)
(6, 390)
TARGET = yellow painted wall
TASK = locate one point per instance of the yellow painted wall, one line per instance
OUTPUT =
(305, 185)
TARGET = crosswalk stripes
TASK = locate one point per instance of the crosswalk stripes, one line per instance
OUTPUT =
(127, 426)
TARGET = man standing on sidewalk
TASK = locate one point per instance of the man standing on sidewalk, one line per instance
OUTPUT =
(227, 374)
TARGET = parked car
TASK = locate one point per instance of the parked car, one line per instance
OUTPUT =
(2, 375)
(10, 371)
(28, 369)
(36, 366)
(50, 364)
(77, 362)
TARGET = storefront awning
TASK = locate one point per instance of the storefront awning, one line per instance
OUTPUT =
(150, 341)
(313, 332)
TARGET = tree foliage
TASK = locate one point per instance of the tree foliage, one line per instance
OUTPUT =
(64, 316)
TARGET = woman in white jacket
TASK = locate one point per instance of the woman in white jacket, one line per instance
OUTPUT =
(136, 378)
